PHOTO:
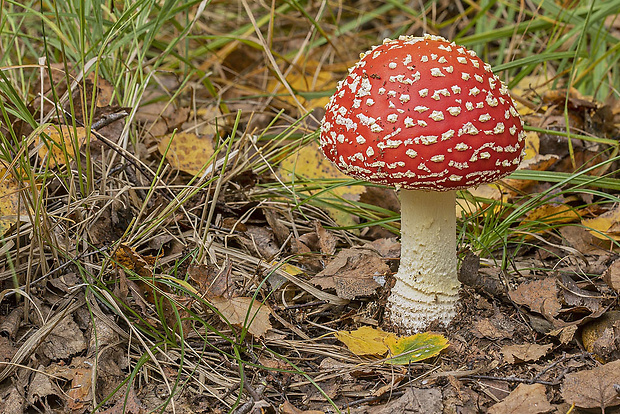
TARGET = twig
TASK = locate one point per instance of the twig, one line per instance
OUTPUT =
(549, 367)
(510, 379)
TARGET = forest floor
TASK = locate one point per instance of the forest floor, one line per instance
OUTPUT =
(173, 240)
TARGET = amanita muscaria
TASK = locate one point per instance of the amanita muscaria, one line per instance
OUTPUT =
(428, 117)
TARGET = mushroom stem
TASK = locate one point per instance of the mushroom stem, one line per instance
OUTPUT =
(426, 286)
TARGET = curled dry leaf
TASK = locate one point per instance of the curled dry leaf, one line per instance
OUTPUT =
(611, 276)
(593, 388)
(526, 398)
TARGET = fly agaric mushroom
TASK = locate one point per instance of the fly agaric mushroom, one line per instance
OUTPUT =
(428, 117)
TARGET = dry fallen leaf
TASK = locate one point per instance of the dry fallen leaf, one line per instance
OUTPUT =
(364, 341)
(288, 408)
(309, 163)
(538, 295)
(309, 81)
(81, 386)
(525, 352)
(10, 206)
(611, 276)
(401, 350)
(494, 328)
(245, 312)
(415, 401)
(526, 398)
(64, 341)
(605, 226)
(59, 142)
(593, 388)
(187, 151)
(353, 273)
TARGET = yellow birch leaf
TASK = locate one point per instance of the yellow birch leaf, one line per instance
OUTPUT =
(304, 82)
(310, 164)
(532, 145)
(364, 341)
(605, 226)
(188, 152)
(415, 348)
(9, 201)
(553, 213)
(59, 144)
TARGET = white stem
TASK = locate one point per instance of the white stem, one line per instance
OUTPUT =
(426, 286)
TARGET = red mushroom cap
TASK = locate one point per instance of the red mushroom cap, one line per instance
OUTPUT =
(422, 113)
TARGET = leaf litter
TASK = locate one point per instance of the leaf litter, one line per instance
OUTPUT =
(285, 269)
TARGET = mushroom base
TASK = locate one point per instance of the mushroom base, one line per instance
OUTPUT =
(426, 286)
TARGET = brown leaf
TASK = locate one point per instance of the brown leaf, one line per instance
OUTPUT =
(128, 258)
(611, 276)
(525, 352)
(81, 386)
(352, 273)
(247, 312)
(593, 388)
(127, 405)
(280, 231)
(525, 398)
(261, 240)
(41, 387)
(415, 401)
(288, 408)
(575, 296)
(494, 328)
(539, 295)
(64, 341)
(212, 282)
(327, 241)
(11, 401)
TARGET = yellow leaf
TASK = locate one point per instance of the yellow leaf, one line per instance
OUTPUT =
(402, 350)
(364, 341)
(9, 201)
(188, 152)
(310, 81)
(554, 213)
(58, 142)
(309, 163)
(605, 226)
(415, 348)
(245, 312)
(288, 268)
(532, 144)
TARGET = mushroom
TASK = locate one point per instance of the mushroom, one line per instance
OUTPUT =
(428, 117)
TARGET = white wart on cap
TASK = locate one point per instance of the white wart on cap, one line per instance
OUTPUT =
(422, 113)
